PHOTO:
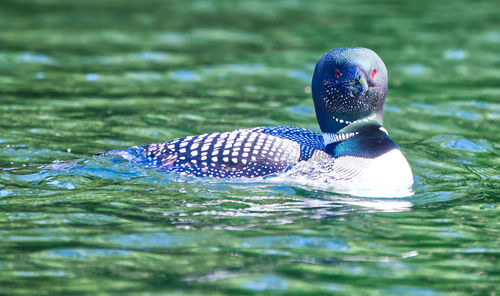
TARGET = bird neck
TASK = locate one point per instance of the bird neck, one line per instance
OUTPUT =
(353, 128)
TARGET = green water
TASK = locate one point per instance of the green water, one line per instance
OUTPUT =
(80, 77)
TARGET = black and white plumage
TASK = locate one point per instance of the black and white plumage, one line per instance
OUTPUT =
(349, 87)
(245, 153)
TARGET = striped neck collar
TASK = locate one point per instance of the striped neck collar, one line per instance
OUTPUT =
(352, 128)
(330, 138)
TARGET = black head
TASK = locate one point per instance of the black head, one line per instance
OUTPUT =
(349, 84)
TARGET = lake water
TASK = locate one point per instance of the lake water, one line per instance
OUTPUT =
(80, 77)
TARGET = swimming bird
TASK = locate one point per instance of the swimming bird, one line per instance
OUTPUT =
(349, 87)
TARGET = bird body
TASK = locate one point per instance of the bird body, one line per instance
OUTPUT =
(244, 153)
(349, 87)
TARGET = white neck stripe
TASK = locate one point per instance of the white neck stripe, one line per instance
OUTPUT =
(329, 138)
(334, 138)
(366, 119)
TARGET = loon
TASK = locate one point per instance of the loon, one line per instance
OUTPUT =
(349, 87)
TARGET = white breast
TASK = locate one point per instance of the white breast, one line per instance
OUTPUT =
(388, 170)
(388, 175)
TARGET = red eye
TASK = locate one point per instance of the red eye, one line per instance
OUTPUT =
(373, 73)
(337, 73)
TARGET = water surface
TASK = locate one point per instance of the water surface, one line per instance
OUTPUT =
(81, 77)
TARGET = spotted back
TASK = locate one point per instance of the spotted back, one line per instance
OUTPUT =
(309, 141)
(241, 153)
